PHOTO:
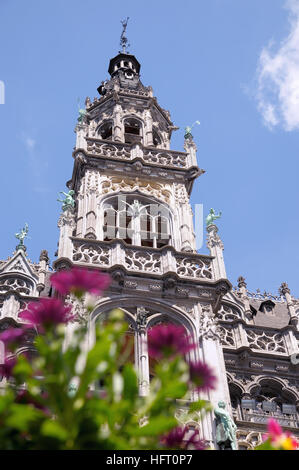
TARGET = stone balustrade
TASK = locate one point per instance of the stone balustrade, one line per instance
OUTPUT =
(142, 259)
(152, 156)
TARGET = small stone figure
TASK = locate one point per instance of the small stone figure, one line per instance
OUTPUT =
(22, 235)
(68, 202)
(212, 216)
(225, 428)
(188, 130)
(141, 316)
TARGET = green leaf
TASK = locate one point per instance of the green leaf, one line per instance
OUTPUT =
(130, 383)
(21, 416)
(54, 429)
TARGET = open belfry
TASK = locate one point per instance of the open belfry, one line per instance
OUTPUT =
(127, 212)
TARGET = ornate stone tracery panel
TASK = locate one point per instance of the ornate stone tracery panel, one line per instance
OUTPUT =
(227, 336)
(143, 261)
(91, 253)
(228, 313)
(270, 341)
(193, 267)
(21, 285)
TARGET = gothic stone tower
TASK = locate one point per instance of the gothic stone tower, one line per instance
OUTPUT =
(133, 219)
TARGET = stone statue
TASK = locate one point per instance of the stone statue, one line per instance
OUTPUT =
(22, 235)
(225, 428)
(212, 216)
(68, 202)
(188, 130)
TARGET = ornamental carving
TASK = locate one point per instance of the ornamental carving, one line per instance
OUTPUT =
(143, 261)
(227, 336)
(228, 313)
(116, 183)
(194, 267)
(91, 253)
(178, 160)
(23, 286)
(209, 328)
(270, 342)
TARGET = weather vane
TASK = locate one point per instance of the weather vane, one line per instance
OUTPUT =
(123, 39)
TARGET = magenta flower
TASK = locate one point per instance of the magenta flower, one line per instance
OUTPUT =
(183, 438)
(13, 336)
(79, 281)
(24, 397)
(7, 367)
(168, 341)
(47, 312)
(201, 375)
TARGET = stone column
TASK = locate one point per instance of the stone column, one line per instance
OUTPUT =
(81, 130)
(284, 290)
(141, 354)
(43, 268)
(216, 248)
(148, 129)
(66, 223)
(118, 131)
(212, 354)
(243, 294)
(190, 148)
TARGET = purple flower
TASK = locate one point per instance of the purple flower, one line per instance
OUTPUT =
(183, 438)
(80, 280)
(13, 336)
(201, 375)
(168, 341)
(7, 367)
(47, 312)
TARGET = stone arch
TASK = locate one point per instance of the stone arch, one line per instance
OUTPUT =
(178, 316)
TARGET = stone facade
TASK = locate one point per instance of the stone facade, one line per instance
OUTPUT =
(133, 219)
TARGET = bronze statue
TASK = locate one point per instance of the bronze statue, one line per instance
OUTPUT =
(68, 202)
(212, 216)
(22, 235)
(225, 428)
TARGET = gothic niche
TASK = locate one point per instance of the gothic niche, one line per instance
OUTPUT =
(133, 131)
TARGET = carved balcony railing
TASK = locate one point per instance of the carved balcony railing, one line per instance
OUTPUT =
(142, 259)
(262, 417)
(125, 151)
(236, 334)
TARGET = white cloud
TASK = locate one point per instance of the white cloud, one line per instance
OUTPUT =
(278, 77)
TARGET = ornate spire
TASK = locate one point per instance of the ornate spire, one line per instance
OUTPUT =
(123, 39)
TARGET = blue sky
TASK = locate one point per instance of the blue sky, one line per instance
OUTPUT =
(233, 65)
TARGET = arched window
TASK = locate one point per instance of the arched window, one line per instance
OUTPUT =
(133, 130)
(138, 221)
(156, 138)
(105, 131)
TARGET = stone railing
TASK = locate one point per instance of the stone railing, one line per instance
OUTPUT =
(152, 156)
(142, 259)
(266, 340)
(262, 417)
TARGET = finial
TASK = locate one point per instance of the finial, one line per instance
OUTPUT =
(21, 236)
(123, 39)
(284, 289)
(241, 282)
(188, 130)
(212, 216)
